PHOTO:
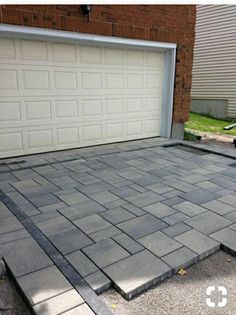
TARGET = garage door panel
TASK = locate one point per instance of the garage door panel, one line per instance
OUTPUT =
(33, 50)
(92, 133)
(10, 142)
(58, 95)
(9, 112)
(65, 80)
(40, 138)
(114, 106)
(89, 54)
(67, 136)
(92, 107)
(38, 110)
(114, 57)
(64, 53)
(67, 109)
(35, 80)
(8, 79)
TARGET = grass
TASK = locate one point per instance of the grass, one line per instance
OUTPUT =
(208, 124)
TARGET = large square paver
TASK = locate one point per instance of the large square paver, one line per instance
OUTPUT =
(198, 242)
(200, 196)
(81, 210)
(137, 273)
(24, 256)
(55, 226)
(142, 226)
(229, 200)
(218, 207)
(104, 197)
(43, 284)
(189, 208)
(159, 244)
(159, 210)
(44, 200)
(117, 215)
(60, 304)
(176, 229)
(180, 258)
(92, 223)
(70, 241)
(74, 198)
(227, 238)
(208, 222)
(145, 199)
(105, 253)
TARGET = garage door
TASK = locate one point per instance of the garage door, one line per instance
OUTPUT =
(56, 96)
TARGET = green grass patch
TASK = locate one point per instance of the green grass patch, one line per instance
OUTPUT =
(207, 124)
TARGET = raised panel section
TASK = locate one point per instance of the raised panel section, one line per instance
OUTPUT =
(153, 81)
(92, 107)
(133, 128)
(91, 80)
(134, 105)
(152, 126)
(36, 80)
(114, 130)
(9, 111)
(8, 79)
(11, 141)
(65, 80)
(90, 55)
(114, 56)
(135, 81)
(153, 104)
(34, 50)
(7, 48)
(154, 59)
(66, 109)
(92, 133)
(114, 106)
(37, 110)
(64, 52)
(114, 81)
(135, 58)
(40, 138)
(67, 136)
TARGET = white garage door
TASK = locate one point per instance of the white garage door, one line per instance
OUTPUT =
(56, 96)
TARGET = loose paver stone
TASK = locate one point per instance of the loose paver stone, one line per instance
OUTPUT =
(105, 253)
(208, 222)
(198, 242)
(159, 244)
(137, 272)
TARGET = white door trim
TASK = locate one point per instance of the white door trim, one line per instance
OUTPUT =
(169, 49)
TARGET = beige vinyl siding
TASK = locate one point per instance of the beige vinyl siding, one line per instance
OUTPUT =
(214, 67)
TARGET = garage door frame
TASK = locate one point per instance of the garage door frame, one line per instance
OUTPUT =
(169, 50)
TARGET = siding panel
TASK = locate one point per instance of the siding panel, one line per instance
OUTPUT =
(214, 67)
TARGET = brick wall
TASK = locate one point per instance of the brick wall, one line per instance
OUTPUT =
(167, 23)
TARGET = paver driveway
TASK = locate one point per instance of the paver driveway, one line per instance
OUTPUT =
(126, 214)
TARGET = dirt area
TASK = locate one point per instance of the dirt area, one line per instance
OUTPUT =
(11, 302)
(214, 139)
(186, 294)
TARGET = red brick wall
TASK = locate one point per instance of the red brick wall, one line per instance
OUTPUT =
(167, 23)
